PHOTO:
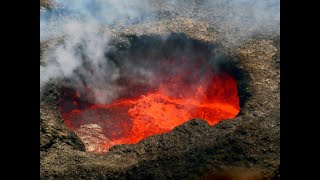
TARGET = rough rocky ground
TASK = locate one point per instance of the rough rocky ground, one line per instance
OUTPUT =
(46, 4)
(251, 141)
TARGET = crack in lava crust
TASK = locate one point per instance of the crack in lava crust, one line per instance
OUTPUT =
(129, 120)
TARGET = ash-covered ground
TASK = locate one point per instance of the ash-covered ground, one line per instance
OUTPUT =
(250, 142)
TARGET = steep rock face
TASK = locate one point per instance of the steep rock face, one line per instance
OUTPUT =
(250, 141)
(52, 127)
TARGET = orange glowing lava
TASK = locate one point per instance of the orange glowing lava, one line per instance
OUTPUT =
(129, 120)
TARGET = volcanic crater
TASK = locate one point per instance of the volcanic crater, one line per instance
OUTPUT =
(187, 79)
(187, 136)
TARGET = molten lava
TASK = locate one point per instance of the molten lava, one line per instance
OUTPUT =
(129, 120)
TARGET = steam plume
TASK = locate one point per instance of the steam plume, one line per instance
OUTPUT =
(81, 57)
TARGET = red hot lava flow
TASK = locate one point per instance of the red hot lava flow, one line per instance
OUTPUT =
(129, 120)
